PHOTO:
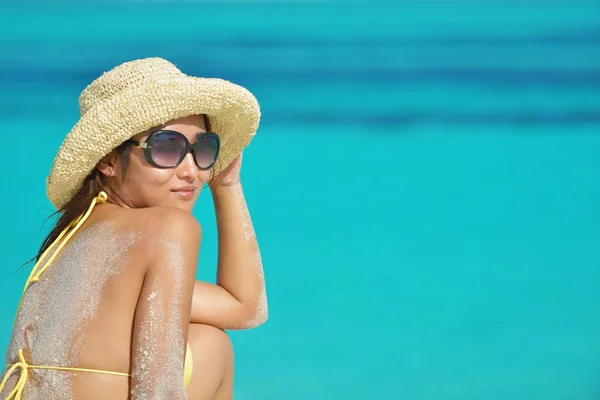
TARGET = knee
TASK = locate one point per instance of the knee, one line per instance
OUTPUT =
(207, 338)
(212, 357)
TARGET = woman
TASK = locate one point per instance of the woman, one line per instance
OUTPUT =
(112, 309)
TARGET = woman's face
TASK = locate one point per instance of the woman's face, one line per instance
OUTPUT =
(145, 185)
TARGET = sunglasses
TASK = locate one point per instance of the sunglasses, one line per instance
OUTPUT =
(167, 149)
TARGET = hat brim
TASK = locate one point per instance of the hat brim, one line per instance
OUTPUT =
(233, 113)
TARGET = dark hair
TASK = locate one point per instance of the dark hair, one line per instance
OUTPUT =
(81, 200)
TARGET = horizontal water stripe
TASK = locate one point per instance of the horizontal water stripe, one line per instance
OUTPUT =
(220, 56)
(12, 78)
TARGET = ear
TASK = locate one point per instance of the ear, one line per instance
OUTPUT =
(107, 166)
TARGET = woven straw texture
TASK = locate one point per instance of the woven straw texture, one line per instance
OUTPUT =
(141, 94)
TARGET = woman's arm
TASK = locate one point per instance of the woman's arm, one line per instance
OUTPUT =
(163, 311)
(238, 300)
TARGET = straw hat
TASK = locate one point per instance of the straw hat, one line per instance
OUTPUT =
(136, 96)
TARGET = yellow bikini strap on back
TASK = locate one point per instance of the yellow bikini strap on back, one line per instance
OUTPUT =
(101, 198)
(35, 274)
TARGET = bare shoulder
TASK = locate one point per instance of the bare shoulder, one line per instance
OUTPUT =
(167, 222)
(152, 222)
(168, 234)
(158, 230)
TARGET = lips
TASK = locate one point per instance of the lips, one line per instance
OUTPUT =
(186, 193)
(184, 189)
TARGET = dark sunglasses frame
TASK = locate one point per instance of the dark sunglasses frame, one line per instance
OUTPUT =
(147, 146)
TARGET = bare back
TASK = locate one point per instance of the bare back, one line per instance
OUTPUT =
(82, 311)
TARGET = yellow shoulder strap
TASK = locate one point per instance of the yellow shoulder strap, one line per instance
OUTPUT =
(42, 264)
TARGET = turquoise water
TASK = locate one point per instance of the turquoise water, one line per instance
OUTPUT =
(424, 182)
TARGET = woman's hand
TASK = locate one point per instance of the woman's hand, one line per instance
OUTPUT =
(230, 175)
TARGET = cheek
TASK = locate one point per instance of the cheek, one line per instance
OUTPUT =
(204, 176)
(143, 175)
(158, 176)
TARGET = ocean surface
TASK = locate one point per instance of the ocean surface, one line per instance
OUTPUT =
(424, 184)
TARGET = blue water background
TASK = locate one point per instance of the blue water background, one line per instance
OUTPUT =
(424, 183)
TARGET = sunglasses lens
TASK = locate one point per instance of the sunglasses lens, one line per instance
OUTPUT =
(206, 150)
(167, 149)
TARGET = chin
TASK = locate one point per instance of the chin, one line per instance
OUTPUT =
(186, 207)
(185, 204)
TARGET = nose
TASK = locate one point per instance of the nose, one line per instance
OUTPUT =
(188, 170)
